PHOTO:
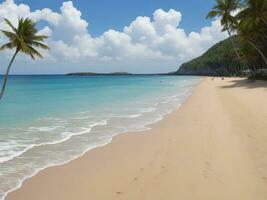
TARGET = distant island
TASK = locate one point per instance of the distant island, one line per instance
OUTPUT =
(98, 74)
(116, 74)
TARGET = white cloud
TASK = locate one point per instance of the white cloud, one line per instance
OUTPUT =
(46, 14)
(163, 20)
(141, 30)
(147, 45)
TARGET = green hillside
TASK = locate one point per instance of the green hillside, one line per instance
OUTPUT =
(220, 59)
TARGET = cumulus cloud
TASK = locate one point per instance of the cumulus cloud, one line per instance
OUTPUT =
(144, 43)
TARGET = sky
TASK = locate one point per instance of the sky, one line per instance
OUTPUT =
(141, 36)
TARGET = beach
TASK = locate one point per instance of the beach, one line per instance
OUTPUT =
(212, 147)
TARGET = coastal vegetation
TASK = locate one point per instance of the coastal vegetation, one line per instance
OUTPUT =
(245, 50)
(22, 39)
(220, 59)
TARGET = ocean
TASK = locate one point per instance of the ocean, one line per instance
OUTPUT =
(51, 119)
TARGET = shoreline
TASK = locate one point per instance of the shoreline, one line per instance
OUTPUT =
(155, 151)
(146, 128)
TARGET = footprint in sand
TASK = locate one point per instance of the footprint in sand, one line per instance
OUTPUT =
(119, 193)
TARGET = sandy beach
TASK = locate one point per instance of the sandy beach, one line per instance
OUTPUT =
(213, 147)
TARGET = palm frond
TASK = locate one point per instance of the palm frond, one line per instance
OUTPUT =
(213, 14)
(9, 45)
(34, 52)
(9, 35)
(40, 45)
(40, 38)
(24, 38)
(10, 25)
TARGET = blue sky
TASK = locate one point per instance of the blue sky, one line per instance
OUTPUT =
(107, 14)
(106, 36)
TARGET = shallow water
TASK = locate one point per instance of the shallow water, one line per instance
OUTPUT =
(50, 120)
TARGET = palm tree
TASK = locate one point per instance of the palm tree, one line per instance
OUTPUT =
(255, 10)
(249, 36)
(252, 27)
(23, 39)
(223, 9)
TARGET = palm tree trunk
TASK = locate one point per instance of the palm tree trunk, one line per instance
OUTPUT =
(235, 49)
(259, 51)
(233, 44)
(7, 73)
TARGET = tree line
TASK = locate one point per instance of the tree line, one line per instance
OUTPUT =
(247, 21)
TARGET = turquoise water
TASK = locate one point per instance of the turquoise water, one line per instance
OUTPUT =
(50, 120)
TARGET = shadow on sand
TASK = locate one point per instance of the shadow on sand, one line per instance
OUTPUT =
(246, 83)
